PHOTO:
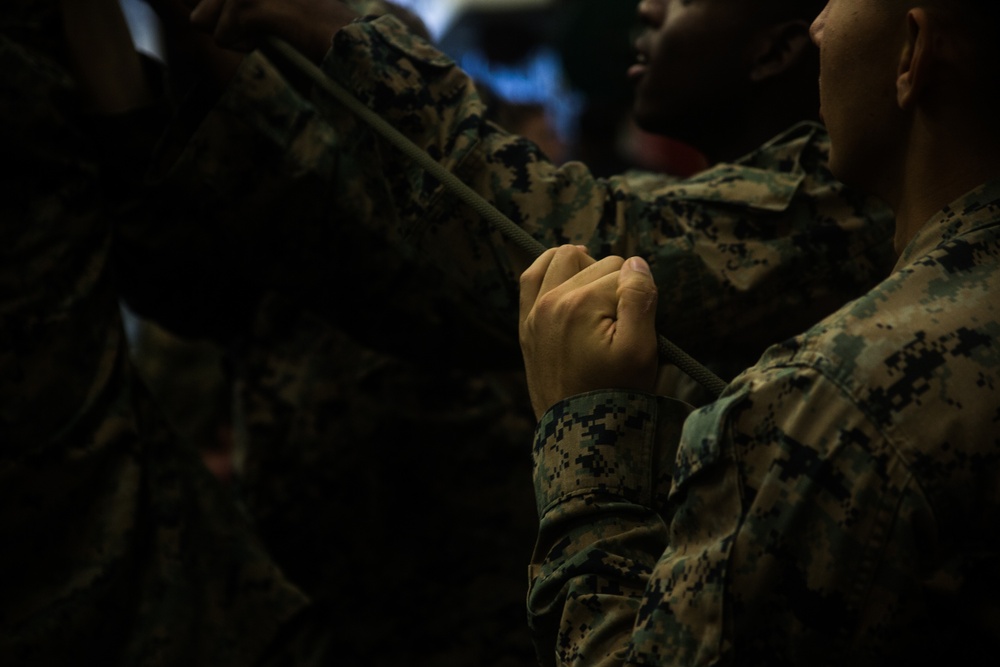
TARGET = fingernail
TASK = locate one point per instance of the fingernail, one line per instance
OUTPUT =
(639, 264)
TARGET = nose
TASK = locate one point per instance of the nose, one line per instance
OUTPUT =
(650, 12)
(816, 29)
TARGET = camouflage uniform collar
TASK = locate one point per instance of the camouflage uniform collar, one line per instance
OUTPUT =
(806, 129)
(978, 208)
(766, 179)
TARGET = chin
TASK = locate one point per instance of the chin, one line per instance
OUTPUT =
(860, 172)
(655, 122)
(643, 118)
(835, 165)
(690, 127)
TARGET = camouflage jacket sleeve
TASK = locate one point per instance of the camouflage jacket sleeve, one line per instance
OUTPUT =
(731, 249)
(602, 473)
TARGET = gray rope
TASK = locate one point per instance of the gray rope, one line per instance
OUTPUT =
(273, 46)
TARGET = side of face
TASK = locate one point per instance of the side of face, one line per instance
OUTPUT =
(860, 44)
(693, 64)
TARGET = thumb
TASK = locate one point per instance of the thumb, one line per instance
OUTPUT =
(636, 302)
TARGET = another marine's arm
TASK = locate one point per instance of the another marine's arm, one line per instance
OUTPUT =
(736, 250)
(279, 172)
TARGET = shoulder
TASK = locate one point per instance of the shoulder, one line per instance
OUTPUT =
(918, 354)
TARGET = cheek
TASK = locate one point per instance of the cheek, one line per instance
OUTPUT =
(842, 116)
(682, 47)
(863, 139)
(692, 67)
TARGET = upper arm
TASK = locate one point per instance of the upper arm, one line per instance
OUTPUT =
(780, 528)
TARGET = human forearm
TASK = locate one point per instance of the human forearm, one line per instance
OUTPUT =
(719, 276)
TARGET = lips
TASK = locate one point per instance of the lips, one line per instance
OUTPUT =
(638, 68)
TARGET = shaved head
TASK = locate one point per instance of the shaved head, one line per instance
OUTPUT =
(787, 10)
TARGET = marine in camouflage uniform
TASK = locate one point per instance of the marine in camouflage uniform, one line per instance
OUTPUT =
(773, 230)
(836, 506)
(118, 547)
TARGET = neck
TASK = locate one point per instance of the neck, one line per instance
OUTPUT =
(740, 139)
(945, 161)
(761, 118)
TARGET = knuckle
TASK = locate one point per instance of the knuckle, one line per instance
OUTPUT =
(571, 304)
(613, 261)
(528, 278)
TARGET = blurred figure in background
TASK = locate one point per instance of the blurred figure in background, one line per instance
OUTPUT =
(372, 476)
(119, 547)
(531, 120)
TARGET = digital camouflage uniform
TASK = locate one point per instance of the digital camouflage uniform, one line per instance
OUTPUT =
(118, 547)
(384, 446)
(838, 504)
(189, 380)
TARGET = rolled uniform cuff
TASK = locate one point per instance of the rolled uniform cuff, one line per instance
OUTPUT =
(597, 443)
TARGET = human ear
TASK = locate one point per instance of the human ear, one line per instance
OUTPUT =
(914, 60)
(778, 48)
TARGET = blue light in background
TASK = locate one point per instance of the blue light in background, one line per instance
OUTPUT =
(536, 80)
(144, 26)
